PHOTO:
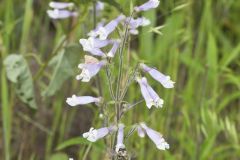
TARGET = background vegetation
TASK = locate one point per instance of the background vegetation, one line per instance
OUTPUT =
(199, 47)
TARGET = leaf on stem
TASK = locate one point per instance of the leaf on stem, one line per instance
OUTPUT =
(19, 73)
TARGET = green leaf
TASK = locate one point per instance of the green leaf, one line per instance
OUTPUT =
(77, 141)
(114, 4)
(71, 142)
(19, 73)
(64, 64)
(230, 57)
(59, 156)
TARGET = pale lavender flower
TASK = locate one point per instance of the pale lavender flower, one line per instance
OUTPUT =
(147, 6)
(135, 23)
(61, 14)
(93, 45)
(158, 76)
(133, 31)
(99, 6)
(95, 134)
(150, 96)
(140, 131)
(114, 49)
(93, 33)
(156, 137)
(90, 68)
(103, 32)
(120, 136)
(75, 100)
(60, 5)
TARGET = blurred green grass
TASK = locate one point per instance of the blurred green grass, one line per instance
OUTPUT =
(199, 48)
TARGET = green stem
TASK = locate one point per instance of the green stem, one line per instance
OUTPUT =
(87, 151)
(118, 91)
(110, 83)
(125, 37)
(129, 81)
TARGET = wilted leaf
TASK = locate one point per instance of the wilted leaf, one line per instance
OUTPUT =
(64, 64)
(19, 73)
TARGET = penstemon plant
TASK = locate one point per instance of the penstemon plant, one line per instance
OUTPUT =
(99, 39)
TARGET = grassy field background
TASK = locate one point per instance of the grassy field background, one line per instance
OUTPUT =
(199, 47)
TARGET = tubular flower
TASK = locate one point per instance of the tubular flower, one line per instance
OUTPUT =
(140, 131)
(120, 136)
(133, 31)
(74, 100)
(158, 76)
(60, 5)
(59, 11)
(114, 49)
(135, 23)
(93, 33)
(103, 32)
(61, 14)
(99, 6)
(95, 134)
(156, 137)
(90, 68)
(93, 45)
(147, 6)
(150, 96)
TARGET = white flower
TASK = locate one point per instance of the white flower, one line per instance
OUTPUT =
(93, 45)
(140, 131)
(114, 49)
(82, 100)
(156, 137)
(61, 14)
(120, 136)
(150, 96)
(135, 23)
(147, 6)
(60, 5)
(95, 134)
(99, 6)
(90, 68)
(93, 33)
(103, 32)
(158, 76)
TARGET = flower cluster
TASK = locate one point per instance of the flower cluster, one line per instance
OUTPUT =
(61, 10)
(96, 44)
